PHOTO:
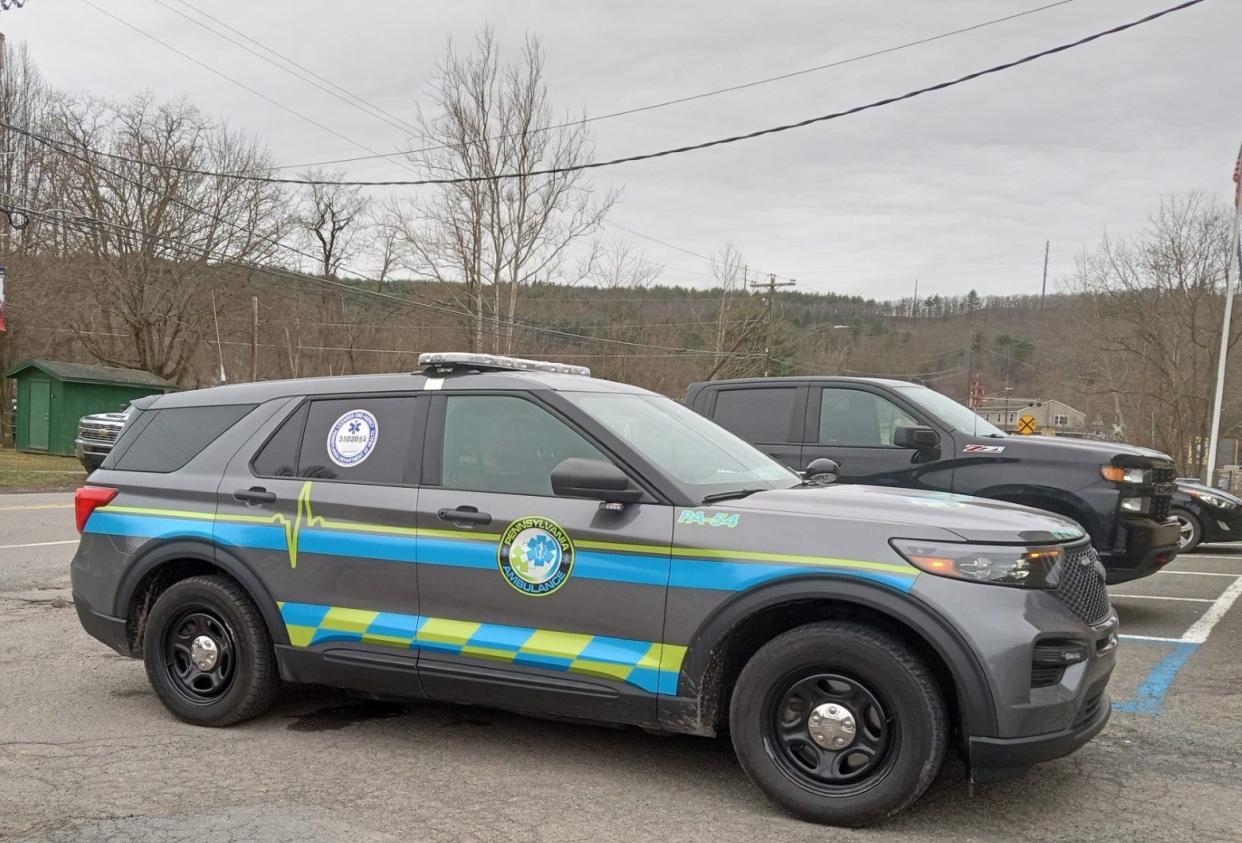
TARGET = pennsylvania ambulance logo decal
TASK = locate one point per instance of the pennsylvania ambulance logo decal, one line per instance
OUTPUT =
(535, 556)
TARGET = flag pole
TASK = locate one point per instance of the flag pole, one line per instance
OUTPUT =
(1210, 467)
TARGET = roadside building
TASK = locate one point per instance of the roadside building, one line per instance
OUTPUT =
(52, 396)
(1052, 417)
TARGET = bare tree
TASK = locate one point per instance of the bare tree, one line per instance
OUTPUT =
(156, 233)
(728, 267)
(1151, 322)
(621, 264)
(333, 220)
(492, 120)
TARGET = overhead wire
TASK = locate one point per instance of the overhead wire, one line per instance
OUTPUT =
(724, 90)
(678, 150)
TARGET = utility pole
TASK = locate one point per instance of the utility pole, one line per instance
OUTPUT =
(771, 285)
(254, 338)
(1043, 290)
(1235, 259)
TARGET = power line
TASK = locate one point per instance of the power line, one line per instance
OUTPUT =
(718, 91)
(227, 78)
(300, 73)
(647, 156)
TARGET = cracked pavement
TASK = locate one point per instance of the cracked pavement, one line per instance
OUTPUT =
(87, 753)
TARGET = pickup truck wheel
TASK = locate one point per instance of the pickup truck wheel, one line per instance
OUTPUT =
(1191, 531)
(208, 653)
(838, 723)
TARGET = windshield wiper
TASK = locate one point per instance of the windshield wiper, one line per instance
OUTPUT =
(730, 495)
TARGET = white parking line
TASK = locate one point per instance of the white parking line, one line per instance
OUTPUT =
(1162, 597)
(36, 544)
(1198, 633)
(1151, 638)
(1197, 573)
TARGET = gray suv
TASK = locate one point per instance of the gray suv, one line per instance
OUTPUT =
(514, 534)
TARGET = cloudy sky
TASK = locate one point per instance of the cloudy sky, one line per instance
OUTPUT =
(958, 189)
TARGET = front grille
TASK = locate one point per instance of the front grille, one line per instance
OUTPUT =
(99, 434)
(1162, 500)
(1080, 584)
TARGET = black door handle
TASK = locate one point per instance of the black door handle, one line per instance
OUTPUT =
(254, 495)
(465, 515)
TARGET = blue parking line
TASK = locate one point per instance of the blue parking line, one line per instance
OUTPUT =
(1151, 693)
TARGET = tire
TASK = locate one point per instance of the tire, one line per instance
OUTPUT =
(1191, 531)
(242, 681)
(867, 672)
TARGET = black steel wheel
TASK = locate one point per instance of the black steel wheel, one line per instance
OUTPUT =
(838, 723)
(830, 733)
(208, 652)
(199, 654)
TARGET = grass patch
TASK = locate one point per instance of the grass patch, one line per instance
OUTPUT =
(38, 472)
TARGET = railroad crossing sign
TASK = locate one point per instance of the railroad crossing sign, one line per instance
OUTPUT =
(1026, 425)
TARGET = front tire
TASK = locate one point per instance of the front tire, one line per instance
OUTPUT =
(1191, 531)
(208, 653)
(838, 723)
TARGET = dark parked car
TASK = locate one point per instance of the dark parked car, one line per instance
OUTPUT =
(894, 433)
(507, 533)
(1205, 514)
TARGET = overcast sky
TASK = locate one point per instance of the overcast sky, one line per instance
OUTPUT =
(958, 189)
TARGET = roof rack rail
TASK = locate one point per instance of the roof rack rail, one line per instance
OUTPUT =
(445, 362)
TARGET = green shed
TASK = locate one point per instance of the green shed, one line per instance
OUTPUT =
(52, 396)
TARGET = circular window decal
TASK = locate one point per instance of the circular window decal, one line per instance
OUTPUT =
(352, 438)
(535, 556)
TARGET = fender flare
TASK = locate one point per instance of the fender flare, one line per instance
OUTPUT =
(1059, 497)
(158, 554)
(976, 701)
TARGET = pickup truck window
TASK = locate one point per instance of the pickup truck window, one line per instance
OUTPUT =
(686, 446)
(858, 419)
(760, 414)
(950, 412)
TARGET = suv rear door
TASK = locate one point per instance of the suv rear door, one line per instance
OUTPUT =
(323, 511)
(768, 416)
(556, 603)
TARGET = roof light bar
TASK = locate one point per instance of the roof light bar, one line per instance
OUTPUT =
(452, 360)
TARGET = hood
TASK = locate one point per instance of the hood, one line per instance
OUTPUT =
(911, 513)
(1197, 486)
(1064, 447)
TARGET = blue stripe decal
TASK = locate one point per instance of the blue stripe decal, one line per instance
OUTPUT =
(638, 569)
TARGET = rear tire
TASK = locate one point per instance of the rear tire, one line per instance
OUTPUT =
(208, 653)
(1191, 531)
(812, 683)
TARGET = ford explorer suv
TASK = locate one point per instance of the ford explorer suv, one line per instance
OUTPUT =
(516, 534)
(894, 433)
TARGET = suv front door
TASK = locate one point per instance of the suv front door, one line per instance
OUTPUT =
(323, 512)
(551, 603)
(854, 426)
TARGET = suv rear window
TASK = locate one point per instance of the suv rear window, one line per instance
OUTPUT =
(168, 439)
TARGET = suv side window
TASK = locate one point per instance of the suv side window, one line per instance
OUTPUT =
(168, 439)
(505, 444)
(858, 419)
(762, 414)
(356, 440)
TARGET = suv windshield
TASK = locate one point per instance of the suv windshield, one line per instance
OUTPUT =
(950, 412)
(697, 453)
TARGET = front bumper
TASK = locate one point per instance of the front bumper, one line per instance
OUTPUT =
(996, 759)
(1147, 546)
(1220, 525)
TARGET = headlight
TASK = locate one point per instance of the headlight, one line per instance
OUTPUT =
(1117, 474)
(1134, 504)
(1211, 499)
(1014, 565)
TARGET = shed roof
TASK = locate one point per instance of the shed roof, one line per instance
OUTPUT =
(85, 373)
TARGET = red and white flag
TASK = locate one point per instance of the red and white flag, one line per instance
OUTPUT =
(1237, 181)
(3, 326)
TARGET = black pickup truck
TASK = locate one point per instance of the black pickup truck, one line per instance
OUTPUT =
(894, 433)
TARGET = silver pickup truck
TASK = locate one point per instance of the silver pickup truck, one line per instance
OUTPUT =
(97, 434)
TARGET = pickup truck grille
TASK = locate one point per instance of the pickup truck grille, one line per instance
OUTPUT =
(1162, 500)
(99, 433)
(1080, 584)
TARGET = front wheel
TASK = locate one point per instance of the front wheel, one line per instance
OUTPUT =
(1190, 531)
(208, 653)
(838, 723)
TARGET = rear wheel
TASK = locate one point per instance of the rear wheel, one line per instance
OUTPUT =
(208, 653)
(1191, 531)
(838, 723)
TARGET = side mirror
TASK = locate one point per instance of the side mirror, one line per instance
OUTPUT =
(821, 472)
(918, 438)
(594, 479)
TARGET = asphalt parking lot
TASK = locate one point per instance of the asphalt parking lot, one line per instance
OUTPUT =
(86, 751)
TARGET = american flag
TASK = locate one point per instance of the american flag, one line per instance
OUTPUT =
(1237, 183)
(3, 327)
